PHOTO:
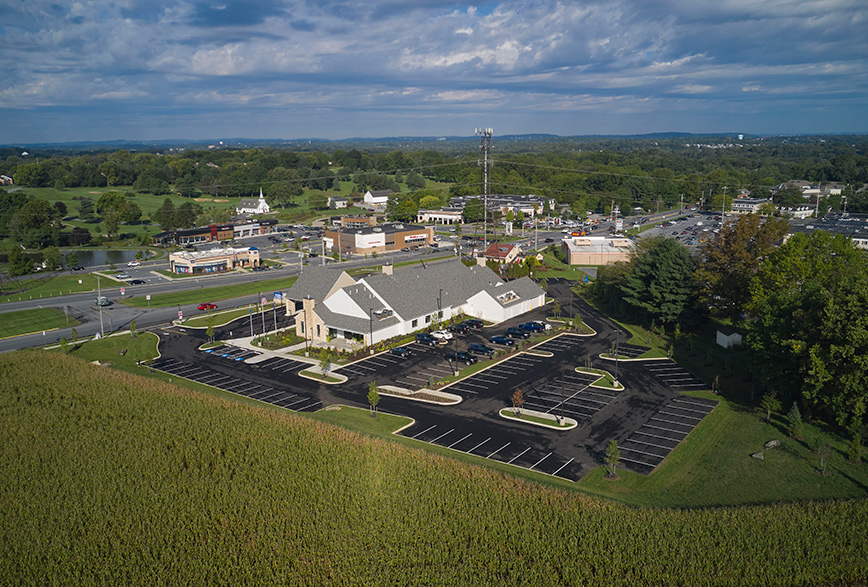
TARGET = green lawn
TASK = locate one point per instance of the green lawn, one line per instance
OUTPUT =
(141, 347)
(212, 294)
(34, 320)
(45, 287)
(713, 467)
(557, 268)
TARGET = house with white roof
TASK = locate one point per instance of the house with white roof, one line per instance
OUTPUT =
(253, 206)
(330, 304)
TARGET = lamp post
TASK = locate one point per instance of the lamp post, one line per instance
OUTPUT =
(371, 333)
(617, 343)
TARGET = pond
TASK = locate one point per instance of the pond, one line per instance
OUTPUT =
(104, 257)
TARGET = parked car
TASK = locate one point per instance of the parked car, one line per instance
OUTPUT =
(77, 268)
(481, 349)
(207, 306)
(500, 339)
(425, 338)
(517, 333)
(442, 335)
(137, 282)
(544, 325)
(459, 328)
(550, 240)
(461, 357)
(123, 276)
(473, 323)
(400, 351)
(532, 326)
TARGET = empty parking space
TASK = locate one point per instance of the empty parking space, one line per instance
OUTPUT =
(562, 343)
(631, 351)
(486, 447)
(281, 365)
(675, 376)
(646, 448)
(234, 353)
(572, 396)
(201, 373)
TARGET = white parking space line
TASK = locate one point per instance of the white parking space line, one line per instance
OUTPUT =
(498, 450)
(301, 401)
(665, 421)
(424, 431)
(488, 373)
(474, 385)
(478, 445)
(638, 462)
(518, 455)
(457, 441)
(462, 390)
(485, 380)
(442, 435)
(700, 385)
(308, 406)
(541, 460)
(699, 418)
(681, 432)
(561, 467)
(425, 380)
(656, 436)
(650, 444)
(642, 452)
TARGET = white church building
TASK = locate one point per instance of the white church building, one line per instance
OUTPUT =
(253, 206)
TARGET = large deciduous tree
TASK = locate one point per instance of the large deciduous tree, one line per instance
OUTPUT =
(731, 259)
(810, 336)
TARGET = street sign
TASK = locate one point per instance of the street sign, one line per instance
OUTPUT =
(264, 300)
(148, 297)
(122, 291)
(180, 314)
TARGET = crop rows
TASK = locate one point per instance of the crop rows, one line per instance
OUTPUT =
(108, 478)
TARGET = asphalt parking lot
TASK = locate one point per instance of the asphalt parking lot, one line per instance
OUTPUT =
(648, 418)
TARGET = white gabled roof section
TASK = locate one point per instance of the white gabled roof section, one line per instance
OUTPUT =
(340, 302)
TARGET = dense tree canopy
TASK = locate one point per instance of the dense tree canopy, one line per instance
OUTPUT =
(810, 336)
(658, 287)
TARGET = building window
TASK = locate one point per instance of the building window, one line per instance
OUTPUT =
(415, 323)
(317, 331)
(302, 326)
(428, 319)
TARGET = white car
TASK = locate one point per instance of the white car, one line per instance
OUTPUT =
(545, 325)
(133, 264)
(442, 335)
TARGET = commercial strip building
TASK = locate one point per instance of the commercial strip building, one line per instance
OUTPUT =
(378, 239)
(442, 216)
(213, 261)
(330, 304)
(530, 205)
(595, 250)
(215, 233)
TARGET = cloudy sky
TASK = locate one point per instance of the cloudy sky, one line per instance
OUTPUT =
(161, 69)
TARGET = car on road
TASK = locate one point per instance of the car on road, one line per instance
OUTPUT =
(425, 338)
(405, 250)
(532, 326)
(473, 323)
(77, 268)
(442, 335)
(400, 351)
(461, 357)
(102, 301)
(207, 306)
(480, 349)
(459, 328)
(515, 332)
(137, 282)
(550, 240)
(123, 276)
(133, 264)
(500, 339)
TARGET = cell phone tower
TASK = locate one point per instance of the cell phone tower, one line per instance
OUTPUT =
(485, 163)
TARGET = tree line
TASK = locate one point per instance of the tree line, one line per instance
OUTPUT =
(801, 304)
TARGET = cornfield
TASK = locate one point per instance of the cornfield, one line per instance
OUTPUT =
(109, 478)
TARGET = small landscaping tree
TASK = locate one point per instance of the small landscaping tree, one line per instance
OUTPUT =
(794, 421)
(854, 449)
(373, 398)
(64, 345)
(556, 309)
(823, 453)
(613, 455)
(517, 400)
(133, 328)
(770, 403)
(210, 330)
(325, 362)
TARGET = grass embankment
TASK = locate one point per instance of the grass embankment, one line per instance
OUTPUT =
(220, 318)
(212, 294)
(34, 320)
(109, 478)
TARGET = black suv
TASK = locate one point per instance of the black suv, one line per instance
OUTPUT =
(461, 357)
(473, 323)
(459, 328)
(425, 338)
(517, 333)
(480, 349)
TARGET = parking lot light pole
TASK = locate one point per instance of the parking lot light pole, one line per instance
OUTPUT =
(617, 342)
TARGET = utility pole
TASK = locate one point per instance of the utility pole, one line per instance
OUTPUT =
(485, 163)
(723, 205)
(681, 206)
(99, 305)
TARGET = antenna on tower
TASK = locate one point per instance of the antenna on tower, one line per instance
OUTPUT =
(485, 163)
